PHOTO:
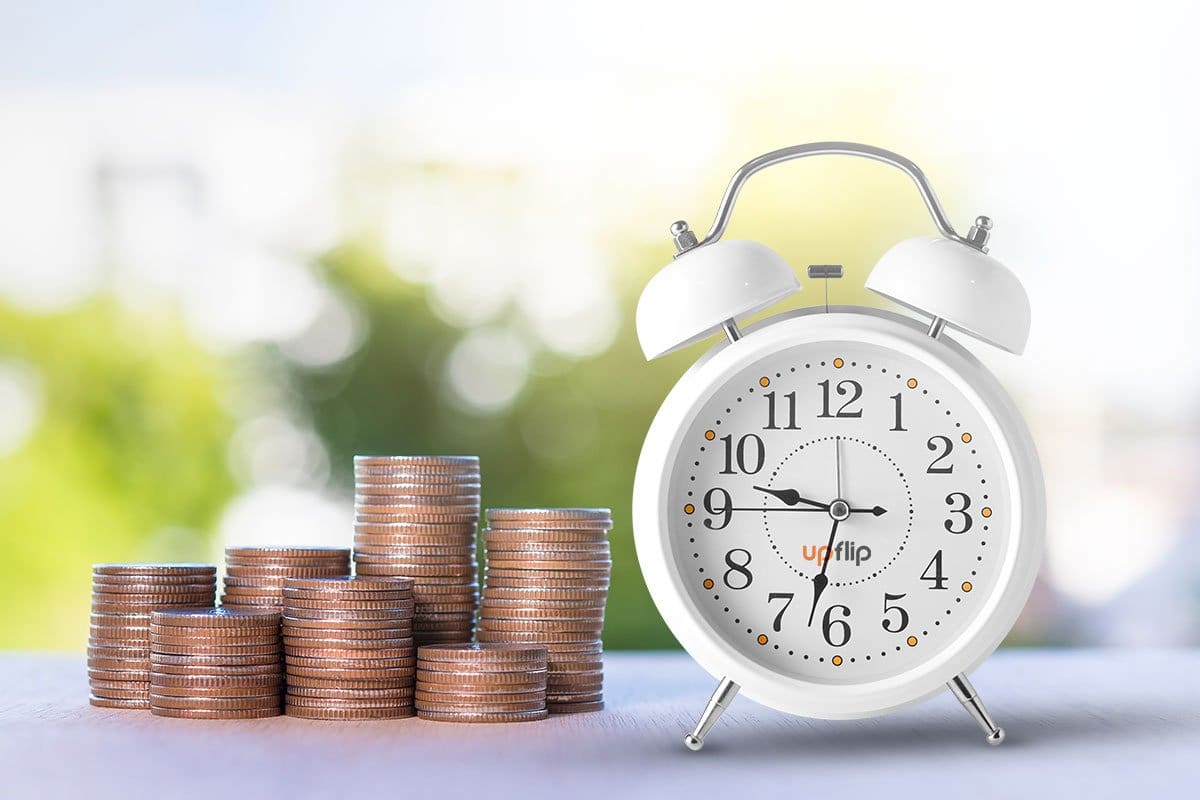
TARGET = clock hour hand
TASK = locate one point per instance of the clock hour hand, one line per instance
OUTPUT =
(791, 497)
(878, 511)
(821, 580)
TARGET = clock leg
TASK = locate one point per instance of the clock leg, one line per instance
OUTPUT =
(966, 694)
(720, 700)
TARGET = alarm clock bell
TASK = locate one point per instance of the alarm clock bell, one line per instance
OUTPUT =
(950, 278)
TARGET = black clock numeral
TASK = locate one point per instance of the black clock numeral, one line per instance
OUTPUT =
(899, 424)
(962, 512)
(735, 568)
(791, 412)
(718, 503)
(758, 453)
(846, 387)
(828, 624)
(890, 625)
(937, 578)
(787, 598)
(944, 444)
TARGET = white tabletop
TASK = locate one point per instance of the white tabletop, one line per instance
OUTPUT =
(1080, 723)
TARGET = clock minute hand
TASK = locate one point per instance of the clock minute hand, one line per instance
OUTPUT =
(878, 511)
(791, 497)
(820, 581)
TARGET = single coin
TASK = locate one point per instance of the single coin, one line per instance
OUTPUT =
(532, 637)
(428, 555)
(425, 518)
(463, 636)
(550, 513)
(590, 615)
(154, 569)
(158, 678)
(205, 713)
(200, 650)
(166, 590)
(130, 690)
(572, 626)
(280, 550)
(135, 602)
(435, 693)
(457, 609)
(350, 714)
(467, 676)
(112, 633)
(101, 674)
(281, 571)
(483, 654)
(409, 460)
(105, 651)
(288, 562)
(353, 604)
(228, 692)
(467, 498)
(599, 526)
(120, 664)
(216, 635)
(344, 702)
(166, 579)
(422, 571)
(394, 614)
(481, 707)
(116, 702)
(216, 618)
(558, 687)
(545, 536)
(588, 664)
(495, 717)
(354, 584)
(575, 708)
(394, 693)
(498, 543)
(352, 664)
(348, 683)
(368, 656)
(269, 700)
(370, 635)
(602, 565)
(403, 676)
(550, 605)
(429, 587)
(393, 639)
(333, 596)
(548, 593)
(596, 697)
(217, 671)
(198, 660)
(371, 486)
(304, 627)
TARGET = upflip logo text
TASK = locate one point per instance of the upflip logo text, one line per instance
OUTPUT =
(843, 551)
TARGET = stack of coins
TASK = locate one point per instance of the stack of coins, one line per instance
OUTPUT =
(546, 583)
(417, 517)
(481, 682)
(254, 575)
(348, 648)
(215, 664)
(123, 596)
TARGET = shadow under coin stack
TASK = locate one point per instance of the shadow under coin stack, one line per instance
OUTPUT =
(123, 597)
(215, 664)
(254, 575)
(417, 517)
(481, 683)
(348, 648)
(547, 578)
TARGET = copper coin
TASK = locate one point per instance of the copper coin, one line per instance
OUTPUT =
(418, 533)
(231, 652)
(349, 683)
(393, 614)
(368, 656)
(127, 690)
(230, 692)
(101, 674)
(215, 618)
(419, 571)
(595, 697)
(592, 603)
(458, 609)
(120, 664)
(550, 513)
(483, 654)
(352, 664)
(416, 474)
(302, 551)
(154, 569)
(135, 602)
(116, 702)
(205, 713)
(464, 636)
(481, 706)
(465, 498)
(349, 714)
(332, 596)
(216, 672)
(223, 679)
(427, 555)
(112, 632)
(494, 717)
(113, 651)
(345, 702)
(165, 590)
(403, 675)
(385, 486)
(575, 708)
(427, 588)
(354, 604)
(430, 517)
(294, 625)
(590, 615)
(268, 700)
(429, 696)
(469, 676)
(316, 635)
(348, 584)
(546, 537)
(341, 639)
(216, 635)
(590, 663)
(281, 571)
(156, 581)
(501, 544)
(533, 637)
(329, 693)
(531, 625)
(599, 526)
(198, 660)
(601, 565)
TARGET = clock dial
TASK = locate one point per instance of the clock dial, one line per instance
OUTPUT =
(839, 511)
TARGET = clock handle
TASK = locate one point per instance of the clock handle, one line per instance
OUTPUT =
(686, 240)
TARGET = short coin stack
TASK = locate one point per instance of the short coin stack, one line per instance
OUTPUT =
(215, 664)
(481, 683)
(547, 578)
(349, 648)
(123, 596)
(417, 517)
(254, 575)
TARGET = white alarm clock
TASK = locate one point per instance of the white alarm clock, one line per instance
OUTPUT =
(838, 511)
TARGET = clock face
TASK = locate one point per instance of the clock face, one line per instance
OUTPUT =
(839, 511)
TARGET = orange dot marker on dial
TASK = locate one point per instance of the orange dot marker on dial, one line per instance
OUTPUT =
(689, 509)
(966, 587)
(966, 437)
(837, 362)
(710, 435)
(762, 638)
(987, 511)
(911, 641)
(764, 381)
(912, 383)
(708, 583)
(837, 661)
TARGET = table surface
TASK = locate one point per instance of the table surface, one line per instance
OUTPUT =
(1105, 722)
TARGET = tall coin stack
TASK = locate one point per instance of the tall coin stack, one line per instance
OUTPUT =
(215, 664)
(481, 683)
(254, 575)
(417, 517)
(547, 578)
(348, 647)
(123, 597)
